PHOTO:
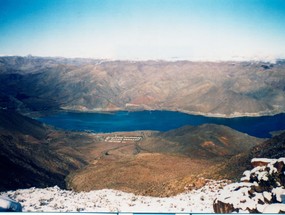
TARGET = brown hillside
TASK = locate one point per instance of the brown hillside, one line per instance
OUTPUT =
(28, 157)
(163, 163)
(226, 88)
(271, 148)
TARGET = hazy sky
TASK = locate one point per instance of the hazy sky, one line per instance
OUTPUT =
(143, 29)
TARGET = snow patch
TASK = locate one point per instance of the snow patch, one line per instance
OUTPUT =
(264, 160)
(261, 189)
(274, 208)
(53, 199)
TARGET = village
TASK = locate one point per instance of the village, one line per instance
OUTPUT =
(123, 139)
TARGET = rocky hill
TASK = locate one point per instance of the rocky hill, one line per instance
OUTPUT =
(220, 88)
(271, 148)
(261, 189)
(207, 141)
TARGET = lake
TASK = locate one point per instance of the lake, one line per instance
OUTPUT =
(160, 121)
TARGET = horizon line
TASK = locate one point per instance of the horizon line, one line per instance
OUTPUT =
(172, 59)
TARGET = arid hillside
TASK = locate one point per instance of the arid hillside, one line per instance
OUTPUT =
(34, 155)
(208, 88)
(161, 163)
(271, 148)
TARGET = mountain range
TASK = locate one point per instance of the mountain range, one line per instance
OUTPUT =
(228, 89)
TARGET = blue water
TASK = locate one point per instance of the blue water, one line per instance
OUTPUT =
(159, 120)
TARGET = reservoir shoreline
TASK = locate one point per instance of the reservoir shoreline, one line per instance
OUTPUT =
(158, 120)
(217, 115)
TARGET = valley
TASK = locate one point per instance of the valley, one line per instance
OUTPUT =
(162, 158)
(142, 107)
(146, 163)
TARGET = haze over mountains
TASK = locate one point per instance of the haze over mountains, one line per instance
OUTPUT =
(208, 88)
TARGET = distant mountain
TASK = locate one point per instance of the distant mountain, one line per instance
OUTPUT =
(210, 88)
(29, 155)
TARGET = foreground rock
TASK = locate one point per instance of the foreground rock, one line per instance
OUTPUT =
(261, 189)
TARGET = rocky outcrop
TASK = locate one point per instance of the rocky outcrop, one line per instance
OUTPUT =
(221, 207)
(261, 189)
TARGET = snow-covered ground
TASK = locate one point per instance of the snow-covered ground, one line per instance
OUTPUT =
(53, 199)
(261, 190)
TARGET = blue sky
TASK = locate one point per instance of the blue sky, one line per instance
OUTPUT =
(144, 29)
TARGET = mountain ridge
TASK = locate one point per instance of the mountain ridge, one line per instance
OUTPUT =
(222, 89)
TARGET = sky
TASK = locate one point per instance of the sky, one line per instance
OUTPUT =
(144, 29)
